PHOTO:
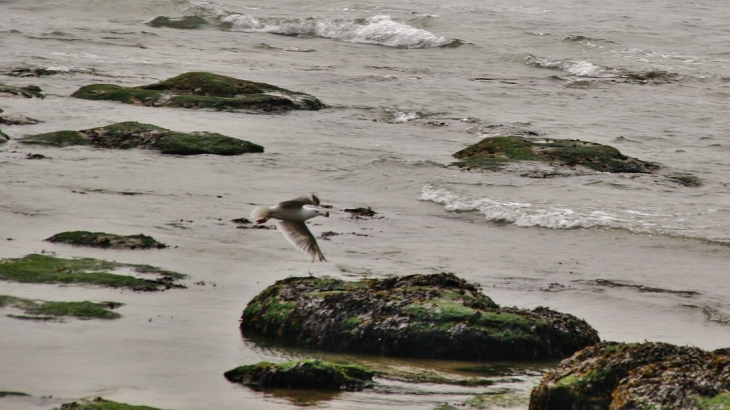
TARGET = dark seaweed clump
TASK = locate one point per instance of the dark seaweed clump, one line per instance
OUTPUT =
(106, 240)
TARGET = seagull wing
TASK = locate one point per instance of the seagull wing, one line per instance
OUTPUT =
(298, 235)
(299, 202)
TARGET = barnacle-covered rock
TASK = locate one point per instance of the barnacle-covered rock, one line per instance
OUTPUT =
(619, 376)
(429, 316)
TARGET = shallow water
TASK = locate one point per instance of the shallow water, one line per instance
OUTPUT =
(408, 84)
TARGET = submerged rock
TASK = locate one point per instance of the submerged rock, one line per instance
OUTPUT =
(17, 119)
(126, 135)
(106, 240)
(685, 179)
(429, 316)
(37, 268)
(492, 152)
(204, 90)
(302, 374)
(53, 310)
(637, 376)
(186, 22)
(28, 91)
(102, 404)
(45, 71)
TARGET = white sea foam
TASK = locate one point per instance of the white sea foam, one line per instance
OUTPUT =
(400, 117)
(578, 68)
(517, 213)
(381, 30)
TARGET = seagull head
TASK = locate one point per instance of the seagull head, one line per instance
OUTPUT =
(311, 212)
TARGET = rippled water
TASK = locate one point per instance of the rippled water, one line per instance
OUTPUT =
(407, 85)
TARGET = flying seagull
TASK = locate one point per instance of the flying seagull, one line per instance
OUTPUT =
(291, 216)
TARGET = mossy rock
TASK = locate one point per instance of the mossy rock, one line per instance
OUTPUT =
(302, 374)
(106, 240)
(29, 91)
(43, 310)
(493, 152)
(56, 139)
(185, 23)
(101, 404)
(429, 316)
(637, 376)
(130, 134)
(204, 90)
(36, 268)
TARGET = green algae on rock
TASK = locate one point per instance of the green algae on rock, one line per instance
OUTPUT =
(37, 268)
(130, 134)
(44, 310)
(29, 91)
(428, 316)
(302, 374)
(102, 404)
(648, 375)
(185, 22)
(4, 137)
(204, 90)
(56, 139)
(493, 152)
(106, 240)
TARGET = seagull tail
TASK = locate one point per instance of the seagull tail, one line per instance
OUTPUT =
(260, 213)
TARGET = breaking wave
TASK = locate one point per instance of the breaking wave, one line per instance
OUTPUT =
(520, 214)
(578, 68)
(380, 30)
(647, 220)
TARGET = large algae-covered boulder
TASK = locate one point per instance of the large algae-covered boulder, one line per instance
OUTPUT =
(492, 152)
(637, 376)
(302, 374)
(204, 90)
(429, 316)
(130, 134)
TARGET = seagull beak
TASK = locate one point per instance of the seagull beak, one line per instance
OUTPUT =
(325, 214)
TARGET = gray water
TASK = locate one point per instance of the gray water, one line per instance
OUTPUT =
(408, 84)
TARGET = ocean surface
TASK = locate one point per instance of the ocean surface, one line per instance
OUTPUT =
(407, 84)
